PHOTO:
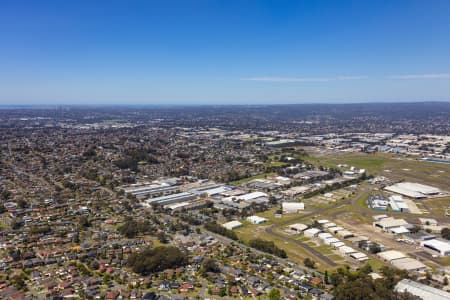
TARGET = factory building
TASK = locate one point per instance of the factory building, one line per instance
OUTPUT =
(413, 190)
(256, 220)
(174, 198)
(421, 290)
(232, 225)
(292, 207)
(443, 248)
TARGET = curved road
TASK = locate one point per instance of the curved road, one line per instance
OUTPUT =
(272, 229)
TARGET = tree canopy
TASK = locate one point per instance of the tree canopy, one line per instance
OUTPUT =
(157, 259)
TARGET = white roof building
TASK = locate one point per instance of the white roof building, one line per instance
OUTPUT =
(256, 219)
(359, 256)
(409, 264)
(292, 207)
(334, 229)
(421, 290)
(251, 196)
(331, 240)
(399, 230)
(324, 235)
(387, 223)
(323, 221)
(298, 227)
(437, 245)
(413, 190)
(327, 225)
(312, 232)
(346, 250)
(391, 255)
(337, 244)
(344, 234)
(232, 225)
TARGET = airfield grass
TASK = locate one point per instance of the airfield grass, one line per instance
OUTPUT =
(445, 261)
(437, 206)
(392, 166)
(276, 164)
(295, 253)
(373, 163)
(248, 232)
(259, 176)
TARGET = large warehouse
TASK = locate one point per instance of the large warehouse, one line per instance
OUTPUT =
(437, 245)
(413, 190)
(174, 198)
(421, 290)
(232, 225)
(292, 207)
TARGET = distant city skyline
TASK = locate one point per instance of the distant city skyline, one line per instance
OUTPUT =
(223, 52)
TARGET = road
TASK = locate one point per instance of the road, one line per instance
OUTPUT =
(272, 230)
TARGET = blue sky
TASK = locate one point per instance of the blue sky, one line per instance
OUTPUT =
(223, 52)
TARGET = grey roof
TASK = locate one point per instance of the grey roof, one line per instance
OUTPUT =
(421, 290)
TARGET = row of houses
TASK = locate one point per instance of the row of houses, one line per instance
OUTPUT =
(328, 235)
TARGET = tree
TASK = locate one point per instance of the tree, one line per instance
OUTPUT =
(325, 277)
(415, 229)
(84, 222)
(209, 265)
(275, 294)
(157, 259)
(308, 262)
(267, 246)
(445, 232)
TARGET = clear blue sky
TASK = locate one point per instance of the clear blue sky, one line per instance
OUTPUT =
(223, 52)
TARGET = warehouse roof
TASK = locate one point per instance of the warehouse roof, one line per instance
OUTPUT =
(232, 224)
(408, 264)
(251, 196)
(391, 255)
(413, 190)
(298, 226)
(391, 222)
(421, 290)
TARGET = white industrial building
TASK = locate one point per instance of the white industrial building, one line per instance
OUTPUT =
(413, 190)
(254, 197)
(174, 198)
(346, 250)
(331, 240)
(337, 244)
(398, 204)
(324, 235)
(328, 225)
(232, 225)
(322, 222)
(312, 232)
(443, 248)
(299, 227)
(421, 290)
(359, 256)
(334, 229)
(398, 230)
(389, 223)
(292, 207)
(409, 264)
(344, 234)
(256, 219)
(391, 255)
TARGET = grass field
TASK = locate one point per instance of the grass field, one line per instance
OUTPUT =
(391, 166)
(259, 176)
